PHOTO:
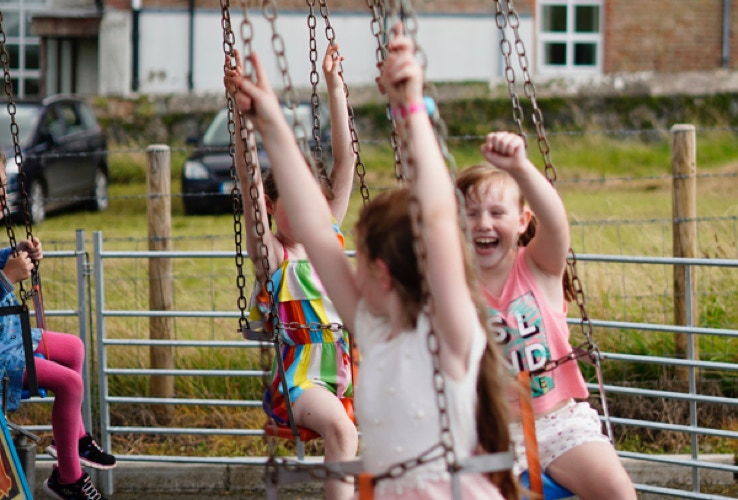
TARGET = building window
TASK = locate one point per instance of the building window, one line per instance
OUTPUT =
(570, 36)
(23, 49)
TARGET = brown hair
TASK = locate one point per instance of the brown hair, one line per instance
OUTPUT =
(326, 183)
(493, 382)
(270, 186)
(471, 181)
(383, 231)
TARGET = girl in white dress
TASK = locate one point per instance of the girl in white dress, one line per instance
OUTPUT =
(380, 301)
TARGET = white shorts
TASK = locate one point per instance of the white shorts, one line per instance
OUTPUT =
(557, 433)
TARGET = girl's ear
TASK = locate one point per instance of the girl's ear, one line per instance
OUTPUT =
(525, 217)
(382, 273)
(269, 204)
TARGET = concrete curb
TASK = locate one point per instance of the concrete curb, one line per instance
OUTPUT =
(162, 480)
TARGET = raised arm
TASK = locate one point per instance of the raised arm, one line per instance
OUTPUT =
(402, 78)
(232, 77)
(547, 251)
(342, 174)
(306, 207)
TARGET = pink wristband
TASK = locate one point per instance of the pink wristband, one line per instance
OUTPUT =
(405, 111)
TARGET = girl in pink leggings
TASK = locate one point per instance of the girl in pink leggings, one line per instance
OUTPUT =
(60, 371)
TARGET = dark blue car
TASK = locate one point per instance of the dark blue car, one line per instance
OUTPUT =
(64, 156)
(206, 174)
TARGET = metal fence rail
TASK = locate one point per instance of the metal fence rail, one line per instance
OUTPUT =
(693, 429)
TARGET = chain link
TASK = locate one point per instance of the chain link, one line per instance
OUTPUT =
(585, 323)
(359, 167)
(377, 28)
(269, 9)
(433, 342)
(506, 51)
(317, 471)
(317, 151)
(313, 326)
(4, 58)
(544, 147)
(228, 41)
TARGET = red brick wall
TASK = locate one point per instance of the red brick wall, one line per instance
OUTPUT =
(666, 35)
(435, 6)
(118, 4)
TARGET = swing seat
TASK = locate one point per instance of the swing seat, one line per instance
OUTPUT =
(284, 431)
(26, 394)
(257, 334)
(551, 489)
(42, 392)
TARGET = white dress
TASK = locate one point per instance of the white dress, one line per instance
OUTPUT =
(397, 409)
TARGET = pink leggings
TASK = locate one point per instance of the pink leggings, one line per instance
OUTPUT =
(61, 373)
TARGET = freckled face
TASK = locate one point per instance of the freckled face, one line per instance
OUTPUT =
(495, 221)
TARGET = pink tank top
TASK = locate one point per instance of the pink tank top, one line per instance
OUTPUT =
(531, 334)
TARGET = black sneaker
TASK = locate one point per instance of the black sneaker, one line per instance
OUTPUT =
(82, 489)
(90, 454)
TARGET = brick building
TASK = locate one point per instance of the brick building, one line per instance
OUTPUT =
(120, 47)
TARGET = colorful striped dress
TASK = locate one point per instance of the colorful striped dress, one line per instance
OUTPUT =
(312, 358)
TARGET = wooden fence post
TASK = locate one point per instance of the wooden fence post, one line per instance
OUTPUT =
(684, 212)
(159, 210)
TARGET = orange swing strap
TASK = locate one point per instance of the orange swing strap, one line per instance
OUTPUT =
(365, 486)
(528, 420)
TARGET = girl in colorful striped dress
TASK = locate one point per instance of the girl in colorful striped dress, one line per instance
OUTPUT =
(315, 354)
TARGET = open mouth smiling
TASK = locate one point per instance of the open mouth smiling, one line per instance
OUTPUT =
(486, 243)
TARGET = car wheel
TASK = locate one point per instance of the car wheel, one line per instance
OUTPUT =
(37, 202)
(100, 200)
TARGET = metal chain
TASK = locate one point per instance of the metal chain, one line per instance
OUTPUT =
(433, 342)
(313, 326)
(377, 29)
(228, 41)
(316, 471)
(585, 323)
(247, 135)
(506, 50)
(23, 294)
(269, 9)
(359, 167)
(530, 91)
(544, 147)
(317, 152)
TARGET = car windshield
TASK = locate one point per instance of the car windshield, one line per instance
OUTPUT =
(26, 117)
(216, 135)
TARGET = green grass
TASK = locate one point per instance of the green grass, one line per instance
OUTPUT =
(630, 214)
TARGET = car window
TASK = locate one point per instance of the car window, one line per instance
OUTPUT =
(52, 124)
(217, 132)
(26, 118)
(70, 117)
(87, 117)
(217, 135)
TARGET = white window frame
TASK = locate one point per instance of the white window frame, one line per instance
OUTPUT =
(570, 38)
(24, 39)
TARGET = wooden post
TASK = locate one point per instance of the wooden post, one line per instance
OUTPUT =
(684, 211)
(159, 210)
